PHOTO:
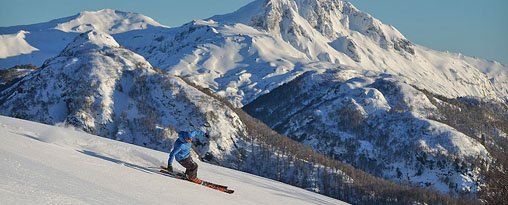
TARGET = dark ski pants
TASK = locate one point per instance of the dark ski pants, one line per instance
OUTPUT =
(191, 168)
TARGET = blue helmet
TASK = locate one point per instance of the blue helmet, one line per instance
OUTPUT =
(183, 135)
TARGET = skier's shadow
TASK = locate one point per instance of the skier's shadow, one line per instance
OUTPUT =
(150, 170)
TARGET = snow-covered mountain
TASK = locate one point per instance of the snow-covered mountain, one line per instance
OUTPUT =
(379, 124)
(15, 44)
(33, 44)
(249, 52)
(57, 165)
(268, 42)
(326, 30)
(104, 89)
(98, 86)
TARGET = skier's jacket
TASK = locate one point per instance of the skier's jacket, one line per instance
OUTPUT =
(181, 148)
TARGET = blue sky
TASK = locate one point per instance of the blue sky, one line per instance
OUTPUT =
(472, 27)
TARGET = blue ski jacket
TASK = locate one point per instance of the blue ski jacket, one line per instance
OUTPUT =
(181, 148)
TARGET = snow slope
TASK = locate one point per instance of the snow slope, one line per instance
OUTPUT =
(55, 165)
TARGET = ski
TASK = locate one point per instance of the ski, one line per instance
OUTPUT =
(180, 175)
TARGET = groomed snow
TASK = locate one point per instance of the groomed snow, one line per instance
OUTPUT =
(43, 164)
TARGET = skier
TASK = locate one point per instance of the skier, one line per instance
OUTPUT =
(181, 152)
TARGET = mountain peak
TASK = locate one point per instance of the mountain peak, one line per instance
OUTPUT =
(89, 40)
(107, 20)
(304, 19)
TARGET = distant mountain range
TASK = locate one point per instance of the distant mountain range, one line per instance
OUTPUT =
(318, 71)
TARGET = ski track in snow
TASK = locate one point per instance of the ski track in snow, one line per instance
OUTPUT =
(57, 165)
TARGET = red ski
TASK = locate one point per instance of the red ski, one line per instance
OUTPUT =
(179, 175)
